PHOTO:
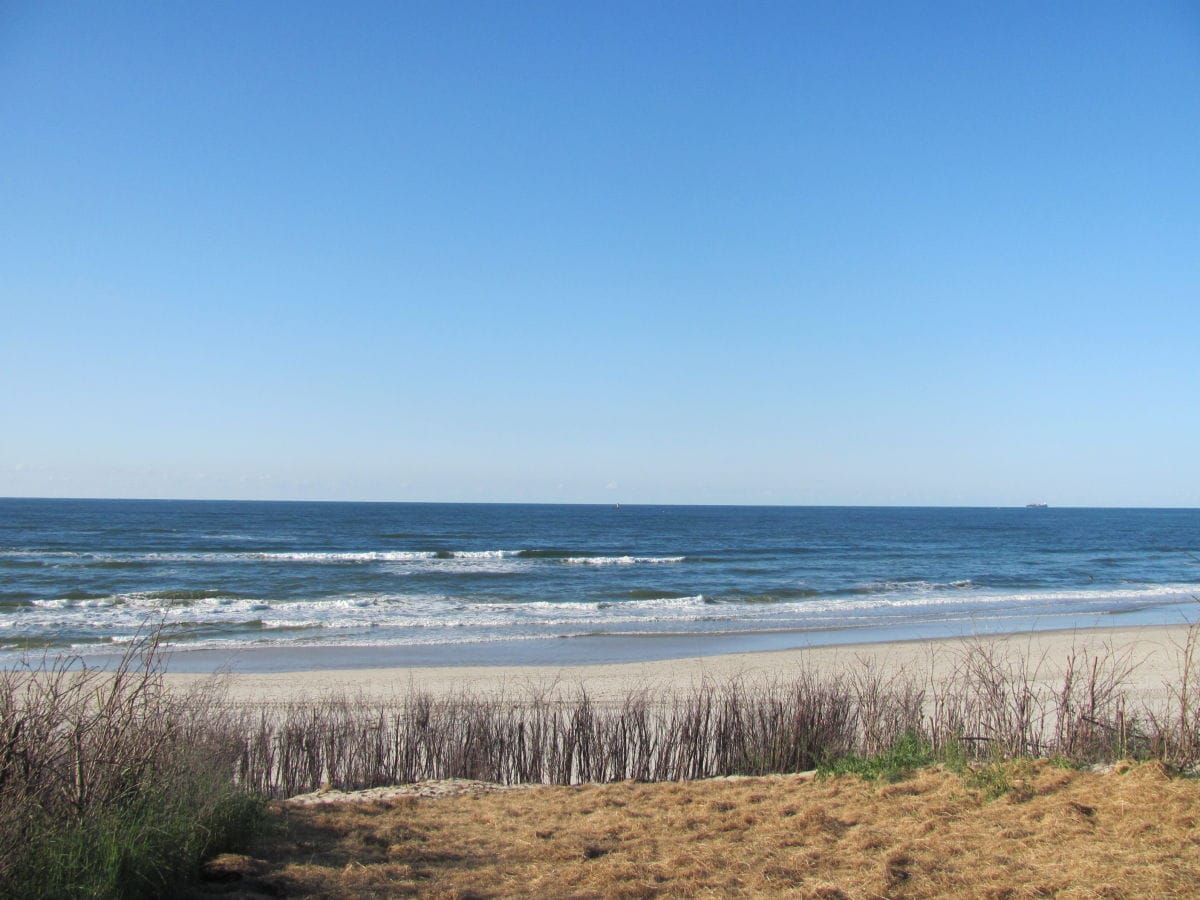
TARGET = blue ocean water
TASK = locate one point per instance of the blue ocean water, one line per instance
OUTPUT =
(461, 583)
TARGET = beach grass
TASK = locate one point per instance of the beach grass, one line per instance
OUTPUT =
(112, 786)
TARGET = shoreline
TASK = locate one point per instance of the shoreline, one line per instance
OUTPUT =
(1152, 653)
(568, 651)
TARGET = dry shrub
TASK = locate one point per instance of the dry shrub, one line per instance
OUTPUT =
(1174, 735)
(737, 728)
(996, 703)
(110, 784)
(1003, 703)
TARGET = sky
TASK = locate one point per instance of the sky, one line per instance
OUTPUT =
(793, 253)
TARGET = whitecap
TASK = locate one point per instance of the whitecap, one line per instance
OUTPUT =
(620, 560)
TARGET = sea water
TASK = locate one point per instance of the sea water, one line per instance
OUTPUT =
(416, 583)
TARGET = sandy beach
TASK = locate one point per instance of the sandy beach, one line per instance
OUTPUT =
(1153, 656)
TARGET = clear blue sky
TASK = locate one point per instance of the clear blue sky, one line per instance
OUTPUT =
(886, 253)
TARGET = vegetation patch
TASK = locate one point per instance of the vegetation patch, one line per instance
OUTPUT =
(899, 761)
(110, 785)
(113, 786)
(933, 834)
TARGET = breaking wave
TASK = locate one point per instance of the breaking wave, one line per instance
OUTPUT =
(419, 618)
(573, 557)
(620, 560)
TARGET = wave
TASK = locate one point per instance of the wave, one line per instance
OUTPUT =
(878, 587)
(408, 612)
(288, 641)
(798, 598)
(149, 601)
(184, 596)
(647, 594)
(336, 556)
(322, 556)
(35, 551)
(575, 556)
(620, 560)
(782, 595)
(228, 554)
(76, 603)
(381, 618)
(478, 554)
(83, 595)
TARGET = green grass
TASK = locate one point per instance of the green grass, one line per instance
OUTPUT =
(111, 786)
(139, 848)
(995, 779)
(898, 762)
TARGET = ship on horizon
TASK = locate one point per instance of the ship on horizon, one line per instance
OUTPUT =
(1036, 505)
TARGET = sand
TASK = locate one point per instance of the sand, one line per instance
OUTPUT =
(1153, 654)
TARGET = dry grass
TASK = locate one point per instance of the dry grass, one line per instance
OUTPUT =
(1055, 832)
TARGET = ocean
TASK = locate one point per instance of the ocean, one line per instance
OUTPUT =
(280, 584)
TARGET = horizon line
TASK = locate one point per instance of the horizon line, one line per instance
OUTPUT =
(1032, 504)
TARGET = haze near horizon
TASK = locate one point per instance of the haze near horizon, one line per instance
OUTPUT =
(687, 253)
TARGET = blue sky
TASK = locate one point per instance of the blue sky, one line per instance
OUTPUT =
(700, 253)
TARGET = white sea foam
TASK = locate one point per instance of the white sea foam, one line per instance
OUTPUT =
(36, 554)
(81, 603)
(431, 617)
(918, 585)
(429, 557)
(326, 556)
(300, 556)
(620, 560)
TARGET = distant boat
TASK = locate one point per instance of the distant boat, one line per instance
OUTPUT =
(1036, 505)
